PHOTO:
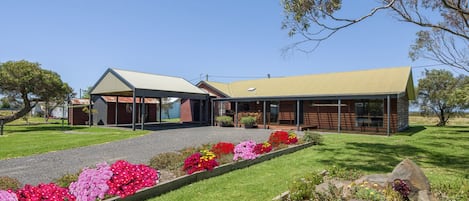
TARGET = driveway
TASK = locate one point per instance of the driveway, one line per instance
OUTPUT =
(44, 168)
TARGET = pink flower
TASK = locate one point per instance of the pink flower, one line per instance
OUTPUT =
(92, 183)
(8, 195)
(245, 151)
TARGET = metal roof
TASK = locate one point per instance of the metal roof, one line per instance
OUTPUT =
(385, 81)
(117, 82)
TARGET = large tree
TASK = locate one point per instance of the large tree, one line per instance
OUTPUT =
(440, 93)
(29, 83)
(445, 25)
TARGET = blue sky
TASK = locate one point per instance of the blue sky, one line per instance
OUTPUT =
(228, 40)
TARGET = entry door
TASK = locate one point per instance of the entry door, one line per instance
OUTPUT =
(274, 111)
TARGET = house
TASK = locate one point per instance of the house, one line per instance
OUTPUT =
(374, 100)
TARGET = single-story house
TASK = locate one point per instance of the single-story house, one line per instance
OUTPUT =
(106, 110)
(374, 100)
(76, 115)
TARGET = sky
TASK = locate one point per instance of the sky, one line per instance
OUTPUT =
(226, 40)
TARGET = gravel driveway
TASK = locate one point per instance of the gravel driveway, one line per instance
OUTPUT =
(43, 168)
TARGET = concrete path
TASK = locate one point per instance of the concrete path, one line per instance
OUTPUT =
(44, 168)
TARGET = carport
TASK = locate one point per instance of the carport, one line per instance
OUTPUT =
(124, 83)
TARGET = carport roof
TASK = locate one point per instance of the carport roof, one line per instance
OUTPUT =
(117, 82)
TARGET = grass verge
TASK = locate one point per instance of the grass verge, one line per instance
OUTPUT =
(442, 153)
(25, 140)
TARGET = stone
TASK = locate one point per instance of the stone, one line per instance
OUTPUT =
(425, 195)
(409, 172)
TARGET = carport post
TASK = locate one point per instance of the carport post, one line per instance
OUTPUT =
(388, 127)
(297, 115)
(339, 102)
(264, 118)
(211, 113)
(159, 108)
(117, 103)
(142, 111)
(90, 108)
(236, 114)
(133, 111)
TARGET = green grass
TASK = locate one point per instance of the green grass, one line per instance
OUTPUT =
(24, 140)
(442, 153)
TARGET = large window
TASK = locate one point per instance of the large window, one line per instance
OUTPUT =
(369, 113)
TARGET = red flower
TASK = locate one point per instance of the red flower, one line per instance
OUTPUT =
(223, 148)
(44, 192)
(262, 148)
(128, 178)
(278, 137)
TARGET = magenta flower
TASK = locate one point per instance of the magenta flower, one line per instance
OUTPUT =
(92, 183)
(128, 178)
(44, 192)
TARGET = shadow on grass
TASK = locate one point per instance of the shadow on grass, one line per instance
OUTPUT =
(41, 128)
(379, 157)
(412, 130)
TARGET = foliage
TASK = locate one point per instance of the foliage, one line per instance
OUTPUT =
(65, 180)
(313, 137)
(224, 120)
(303, 188)
(127, 178)
(223, 148)
(443, 39)
(167, 160)
(9, 183)
(44, 192)
(91, 183)
(248, 121)
(8, 195)
(436, 94)
(366, 191)
(455, 190)
(343, 173)
(402, 187)
(245, 151)
(26, 80)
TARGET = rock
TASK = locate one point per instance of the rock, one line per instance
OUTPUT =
(339, 184)
(426, 196)
(409, 172)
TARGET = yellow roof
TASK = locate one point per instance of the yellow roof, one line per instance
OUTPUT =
(385, 81)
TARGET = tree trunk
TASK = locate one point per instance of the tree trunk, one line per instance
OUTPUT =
(442, 119)
(24, 111)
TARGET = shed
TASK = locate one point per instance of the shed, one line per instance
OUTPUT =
(124, 83)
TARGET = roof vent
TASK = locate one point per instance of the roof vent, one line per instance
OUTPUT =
(252, 89)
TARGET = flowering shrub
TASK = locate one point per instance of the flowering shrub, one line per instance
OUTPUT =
(8, 195)
(91, 183)
(282, 137)
(223, 148)
(263, 148)
(44, 192)
(402, 188)
(203, 160)
(127, 178)
(245, 151)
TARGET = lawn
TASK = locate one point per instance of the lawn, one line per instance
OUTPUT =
(442, 153)
(23, 140)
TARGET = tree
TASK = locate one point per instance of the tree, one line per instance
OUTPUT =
(439, 93)
(26, 81)
(444, 40)
(166, 105)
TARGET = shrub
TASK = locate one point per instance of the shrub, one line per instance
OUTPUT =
(66, 179)
(9, 183)
(92, 183)
(204, 160)
(312, 137)
(8, 195)
(168, 160)
(245, 151)
(224, 121)
(304, 188)
(343, 173)
(223, 148)
(44, 192)
(127, 178)
(248, 121)
(454, 190)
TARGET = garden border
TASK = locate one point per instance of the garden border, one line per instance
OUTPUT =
(179, 182)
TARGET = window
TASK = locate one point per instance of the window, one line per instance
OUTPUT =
(369, 113)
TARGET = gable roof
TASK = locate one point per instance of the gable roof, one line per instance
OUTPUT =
(385, 81)
(124, 82)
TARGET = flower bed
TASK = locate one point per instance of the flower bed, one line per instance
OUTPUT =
(125, 181)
